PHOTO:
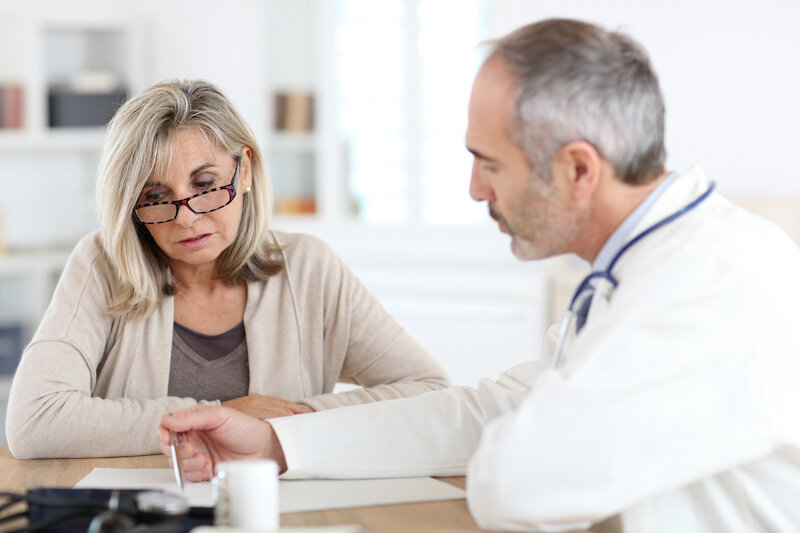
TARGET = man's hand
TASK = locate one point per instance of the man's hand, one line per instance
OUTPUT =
(211, 434)
(264, 407)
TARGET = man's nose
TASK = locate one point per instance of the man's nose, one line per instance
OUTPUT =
(479, 188)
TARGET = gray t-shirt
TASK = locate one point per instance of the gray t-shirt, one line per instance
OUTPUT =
(208, 367)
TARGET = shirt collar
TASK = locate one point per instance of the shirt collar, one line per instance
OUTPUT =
(620, 236)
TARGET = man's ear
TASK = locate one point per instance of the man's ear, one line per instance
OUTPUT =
(578, 166)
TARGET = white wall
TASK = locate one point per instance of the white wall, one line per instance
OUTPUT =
(223, 42)
(730, 73)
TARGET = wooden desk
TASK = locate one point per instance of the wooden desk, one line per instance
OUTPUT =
(444, 516)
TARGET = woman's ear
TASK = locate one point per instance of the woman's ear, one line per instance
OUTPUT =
(246, 168)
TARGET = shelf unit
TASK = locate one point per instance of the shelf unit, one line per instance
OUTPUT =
(27, 281)
(293, 115)
(56, 50)
(51, 142)
(53, 150)
(292, 164)
(60, 49)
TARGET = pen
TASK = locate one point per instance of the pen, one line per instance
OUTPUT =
(174, 449)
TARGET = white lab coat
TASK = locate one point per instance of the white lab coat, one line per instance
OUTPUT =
(676, 408)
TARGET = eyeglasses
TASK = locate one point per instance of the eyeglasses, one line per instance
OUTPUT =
(204, 202)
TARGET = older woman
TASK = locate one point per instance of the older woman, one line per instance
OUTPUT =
(185, 296)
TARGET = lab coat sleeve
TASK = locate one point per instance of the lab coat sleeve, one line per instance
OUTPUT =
(665, 389)
(430, 434)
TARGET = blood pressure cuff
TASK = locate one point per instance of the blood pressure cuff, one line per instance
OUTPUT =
(71, 510)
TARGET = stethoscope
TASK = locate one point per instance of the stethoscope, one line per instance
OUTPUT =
(606, 274)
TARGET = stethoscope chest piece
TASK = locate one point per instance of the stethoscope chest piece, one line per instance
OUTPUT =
(603, 291)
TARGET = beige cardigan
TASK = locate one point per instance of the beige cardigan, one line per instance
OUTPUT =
(89, 384)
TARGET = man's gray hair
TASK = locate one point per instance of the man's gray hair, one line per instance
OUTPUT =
(579, 82)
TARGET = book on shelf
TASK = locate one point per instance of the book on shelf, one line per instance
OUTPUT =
(11, 345)
(294, 111)
(288, 205)
(3, 248)
(86, 98)
(11, 106)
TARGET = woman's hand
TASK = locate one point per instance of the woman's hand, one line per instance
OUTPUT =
(259, 406)
(208, 435)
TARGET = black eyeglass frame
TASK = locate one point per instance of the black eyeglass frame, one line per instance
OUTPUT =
(231, 188)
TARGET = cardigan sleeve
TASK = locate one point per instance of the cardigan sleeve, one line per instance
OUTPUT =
(53, 409)
(362, 343)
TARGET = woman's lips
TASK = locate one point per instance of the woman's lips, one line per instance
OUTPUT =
(195, 242)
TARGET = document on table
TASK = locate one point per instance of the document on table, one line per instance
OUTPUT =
(294, 495)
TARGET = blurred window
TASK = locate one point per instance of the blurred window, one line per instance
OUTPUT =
(404, 70)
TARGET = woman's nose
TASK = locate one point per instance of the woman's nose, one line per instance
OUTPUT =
(186, 216)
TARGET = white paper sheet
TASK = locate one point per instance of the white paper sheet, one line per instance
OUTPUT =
(295, 495)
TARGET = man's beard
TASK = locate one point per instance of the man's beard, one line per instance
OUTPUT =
(541, 235)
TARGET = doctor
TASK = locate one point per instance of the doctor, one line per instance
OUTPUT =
(669, 402)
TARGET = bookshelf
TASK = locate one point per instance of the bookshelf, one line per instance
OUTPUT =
(27, 281)
(70, 75)
(67, 77)
(291, 157)
(293, 139)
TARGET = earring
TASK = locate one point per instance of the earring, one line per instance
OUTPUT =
(247, 190)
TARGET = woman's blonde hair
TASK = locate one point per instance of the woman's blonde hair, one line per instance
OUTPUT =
(138, 146)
